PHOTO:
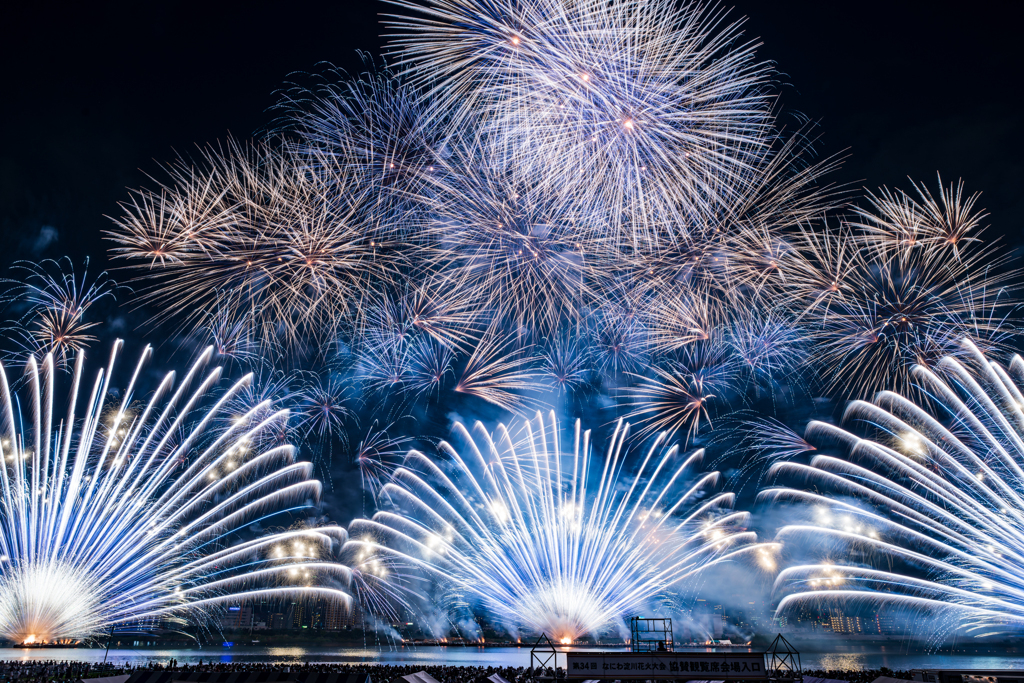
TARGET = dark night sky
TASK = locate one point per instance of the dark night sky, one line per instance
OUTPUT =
(96, 94)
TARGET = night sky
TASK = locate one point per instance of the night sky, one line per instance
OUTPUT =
(96, 95)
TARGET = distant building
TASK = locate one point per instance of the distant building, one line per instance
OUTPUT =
(885, 624)
(237, 617)
(336, 617)
(844, 623)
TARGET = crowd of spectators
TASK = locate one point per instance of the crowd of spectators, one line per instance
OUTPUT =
(380, 673)
(58, 671)
(856, 675)
(32, 671)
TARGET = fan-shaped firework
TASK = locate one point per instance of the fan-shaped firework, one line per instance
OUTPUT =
(927, 515)
(121, 513)
(549, 541)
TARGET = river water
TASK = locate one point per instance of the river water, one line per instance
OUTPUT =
(871, 658)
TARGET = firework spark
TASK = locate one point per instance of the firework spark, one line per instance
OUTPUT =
(929, 505)
(551, 541)
(138, 512)
(57, 303)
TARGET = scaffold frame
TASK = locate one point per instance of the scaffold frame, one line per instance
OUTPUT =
(650, 634)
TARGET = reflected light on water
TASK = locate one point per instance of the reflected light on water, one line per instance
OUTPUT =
(840, 661)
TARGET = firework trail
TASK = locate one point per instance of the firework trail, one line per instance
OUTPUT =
(926, 512)
(542, 540)
(132, 513)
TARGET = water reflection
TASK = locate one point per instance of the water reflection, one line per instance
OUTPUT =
(837, 661)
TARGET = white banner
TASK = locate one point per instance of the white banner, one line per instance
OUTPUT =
(677, 665)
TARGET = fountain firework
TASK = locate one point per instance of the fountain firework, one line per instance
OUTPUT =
(124, 513)
(925, 516)
(548, 541)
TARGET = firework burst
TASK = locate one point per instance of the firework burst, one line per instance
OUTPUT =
(57, 301)
(879, 305)
(130, 513)
(680, 395)
(274, 235)
(374, 127)
(644, 112)
(549, 541)
(501, 374)
(516, 248)
(898, 222)
(926, 511)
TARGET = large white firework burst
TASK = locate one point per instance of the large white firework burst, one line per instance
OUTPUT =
(544, 540)
(656, 113)
(122, 512)
(925, 516)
